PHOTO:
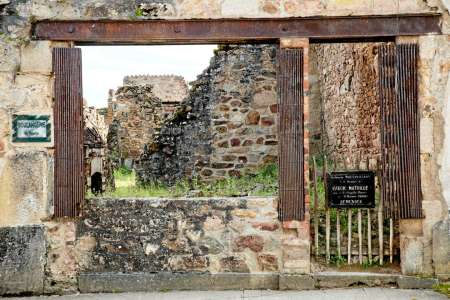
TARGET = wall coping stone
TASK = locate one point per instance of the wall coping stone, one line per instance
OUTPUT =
(163, 281)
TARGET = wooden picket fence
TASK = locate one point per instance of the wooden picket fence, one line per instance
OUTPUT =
(364, 240)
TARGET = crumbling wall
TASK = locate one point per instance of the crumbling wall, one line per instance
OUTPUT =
(136, 114)
(26, 81)
(345, 101)
(135, 111)
(182, 235)
(168, 88)
(226, 127)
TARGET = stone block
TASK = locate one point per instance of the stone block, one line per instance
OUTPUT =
(246, 9)
(36, 57)
(350, 6)
(271, 7)
(411, 255)
(426, 136)
(299, 266)
(411, 227)
(344, 280)
(9, 57)
(252, 242)
(199, 9)
(234, 264)
(24, 201)
(22, 259)
(65, 255)
(409, 282)
(441, 249)
(32, 92)
(295, 252)
(264, 99)
(296, 282)
(268, 262)
(142, 282)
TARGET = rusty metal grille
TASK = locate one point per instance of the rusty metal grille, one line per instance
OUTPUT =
(68, 120)
(400, 183)
(290, 130)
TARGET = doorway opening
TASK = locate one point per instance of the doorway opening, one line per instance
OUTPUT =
(197, 120)
(346, 137)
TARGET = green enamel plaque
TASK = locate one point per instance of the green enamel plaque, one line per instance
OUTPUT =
(31, 129)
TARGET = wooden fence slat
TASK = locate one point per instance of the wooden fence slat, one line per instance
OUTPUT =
(369, 236)
(349, 236)
(327, 215)
(360, 237)
(327, 234)
(316, 208)
(380, 232)
(338, 233)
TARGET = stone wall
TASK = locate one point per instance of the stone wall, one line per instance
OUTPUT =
(136, 114)
(135, 111)
(345, 110)
(226, 127)
(26, 87)
(182, 235)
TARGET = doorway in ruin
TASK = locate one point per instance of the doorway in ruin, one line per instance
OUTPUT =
(363, 123)
(208, 130)
(293, 86)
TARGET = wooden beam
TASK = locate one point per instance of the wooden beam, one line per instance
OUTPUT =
(235, 30)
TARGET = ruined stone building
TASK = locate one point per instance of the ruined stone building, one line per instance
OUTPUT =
(171, 89)
(53, 241)
(135, 111)
(227, 124)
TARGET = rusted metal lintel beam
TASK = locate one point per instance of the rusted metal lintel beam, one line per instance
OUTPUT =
(235, 30)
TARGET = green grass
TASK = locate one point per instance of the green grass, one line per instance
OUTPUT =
(263, 183)
(443, 288)
(124, 177)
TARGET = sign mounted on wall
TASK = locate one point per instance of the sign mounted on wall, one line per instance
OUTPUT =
(351, 189)
(31, 129)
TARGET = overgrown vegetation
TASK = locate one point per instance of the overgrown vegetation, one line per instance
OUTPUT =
(264, 182)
